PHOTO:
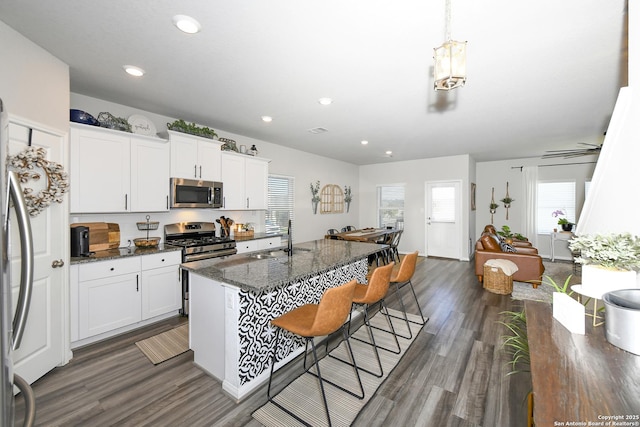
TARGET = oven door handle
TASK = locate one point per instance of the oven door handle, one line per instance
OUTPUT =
(209, 255)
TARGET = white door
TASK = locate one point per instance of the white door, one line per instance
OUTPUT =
(44, 344)
(443, 219)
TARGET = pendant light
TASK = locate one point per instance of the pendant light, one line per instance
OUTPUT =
(449, 71)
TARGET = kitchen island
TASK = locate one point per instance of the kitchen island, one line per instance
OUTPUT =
(233, 299)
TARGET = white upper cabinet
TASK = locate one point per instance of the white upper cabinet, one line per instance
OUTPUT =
(193, 157)
(149, 175)
(245, 181)
(113, 171)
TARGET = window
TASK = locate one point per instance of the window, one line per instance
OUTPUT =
(553, 196)
(443, 204)
(390, 205)
(279, 204)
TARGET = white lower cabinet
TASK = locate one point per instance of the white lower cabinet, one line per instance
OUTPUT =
(161, 290)
(245, 246)
(113, 294)
(107, 304)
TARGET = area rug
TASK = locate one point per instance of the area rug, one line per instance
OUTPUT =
(557, 271)
(166, 345)
(303, 397)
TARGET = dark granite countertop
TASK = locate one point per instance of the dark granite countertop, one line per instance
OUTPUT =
(264, 270)
(121, 253)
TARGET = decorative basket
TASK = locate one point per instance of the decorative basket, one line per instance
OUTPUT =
(496, 281)
(248, 233)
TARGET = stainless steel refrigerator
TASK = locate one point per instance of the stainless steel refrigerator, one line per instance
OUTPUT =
(12, 325)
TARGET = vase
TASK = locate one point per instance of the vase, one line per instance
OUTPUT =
(348, 204)
(567, 227)
(314, 206)
(598, 280)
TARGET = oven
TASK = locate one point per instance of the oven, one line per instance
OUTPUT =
(198, 241)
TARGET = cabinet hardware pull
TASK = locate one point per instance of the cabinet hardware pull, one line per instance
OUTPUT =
(137, 283)
(200, 171)
(126, 196)
(195, 171)
(247, 203)
(112, 268)
(167, 202)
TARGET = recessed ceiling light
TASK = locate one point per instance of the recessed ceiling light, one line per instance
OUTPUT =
(186, 24)
(133, 70)
(388, 153)
(325, 101)
(364, 142)
(267, 119)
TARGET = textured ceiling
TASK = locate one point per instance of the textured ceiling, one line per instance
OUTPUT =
(541, 75)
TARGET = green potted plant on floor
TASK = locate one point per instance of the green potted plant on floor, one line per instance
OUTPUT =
(516, 342)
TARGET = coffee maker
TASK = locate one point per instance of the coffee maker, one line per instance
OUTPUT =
(80, 241)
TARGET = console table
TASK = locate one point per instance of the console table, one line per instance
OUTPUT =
(565, 236)
(579, 378)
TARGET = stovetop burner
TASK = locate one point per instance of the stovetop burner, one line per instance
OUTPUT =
(200, 241)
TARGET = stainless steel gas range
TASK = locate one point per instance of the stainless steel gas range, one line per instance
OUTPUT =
(198, 241)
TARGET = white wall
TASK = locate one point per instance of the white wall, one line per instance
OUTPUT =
(304, 167)
(414, 174)
(33, 84)
(496, 174)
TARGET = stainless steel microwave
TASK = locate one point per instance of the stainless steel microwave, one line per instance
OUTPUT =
(192, 193)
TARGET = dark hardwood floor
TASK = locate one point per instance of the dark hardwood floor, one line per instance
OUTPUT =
(454, 374)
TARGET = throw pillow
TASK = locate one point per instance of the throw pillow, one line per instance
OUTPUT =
(506, 247)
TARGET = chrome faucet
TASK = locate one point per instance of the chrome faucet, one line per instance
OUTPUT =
(289, 249)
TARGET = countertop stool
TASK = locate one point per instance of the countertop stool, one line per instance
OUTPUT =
(369, 295)
(402, 278)
(315, 320)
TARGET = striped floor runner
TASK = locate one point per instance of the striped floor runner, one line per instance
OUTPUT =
(303, 397)
(166, 345)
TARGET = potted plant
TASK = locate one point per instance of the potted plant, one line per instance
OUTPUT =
(516, 342)
(192, 129)
(562, 221)
(507, 201)
(609, 261)
(492, 207)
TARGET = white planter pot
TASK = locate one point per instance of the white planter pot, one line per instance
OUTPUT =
(598, 280)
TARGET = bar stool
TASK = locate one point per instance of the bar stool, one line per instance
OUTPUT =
(314, 320)
(400, 279)
(368, 296)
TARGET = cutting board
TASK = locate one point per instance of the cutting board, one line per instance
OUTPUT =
(102, 235)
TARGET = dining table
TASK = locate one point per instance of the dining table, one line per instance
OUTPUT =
(364, 235)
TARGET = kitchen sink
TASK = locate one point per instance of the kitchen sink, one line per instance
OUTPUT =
(276, 254)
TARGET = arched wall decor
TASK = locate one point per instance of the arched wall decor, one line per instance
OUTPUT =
(331, 199)
(25, 164)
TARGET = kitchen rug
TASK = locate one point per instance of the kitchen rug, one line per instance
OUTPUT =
(302, 396)
(166, 345)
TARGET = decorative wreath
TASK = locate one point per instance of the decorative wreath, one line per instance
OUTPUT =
(57, 184)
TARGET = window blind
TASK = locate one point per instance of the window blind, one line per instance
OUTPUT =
(279, 203)
(554, 196)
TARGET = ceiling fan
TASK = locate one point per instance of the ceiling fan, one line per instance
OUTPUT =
(588, 150)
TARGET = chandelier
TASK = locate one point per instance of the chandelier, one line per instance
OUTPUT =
(449, 71)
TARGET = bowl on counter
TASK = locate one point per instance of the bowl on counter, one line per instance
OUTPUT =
(146, 242)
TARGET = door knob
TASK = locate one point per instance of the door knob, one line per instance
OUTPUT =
(57, 263)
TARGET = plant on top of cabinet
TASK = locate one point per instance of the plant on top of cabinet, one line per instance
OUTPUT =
(192, 129)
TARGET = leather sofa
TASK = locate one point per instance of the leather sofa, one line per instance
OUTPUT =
(530, 267)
